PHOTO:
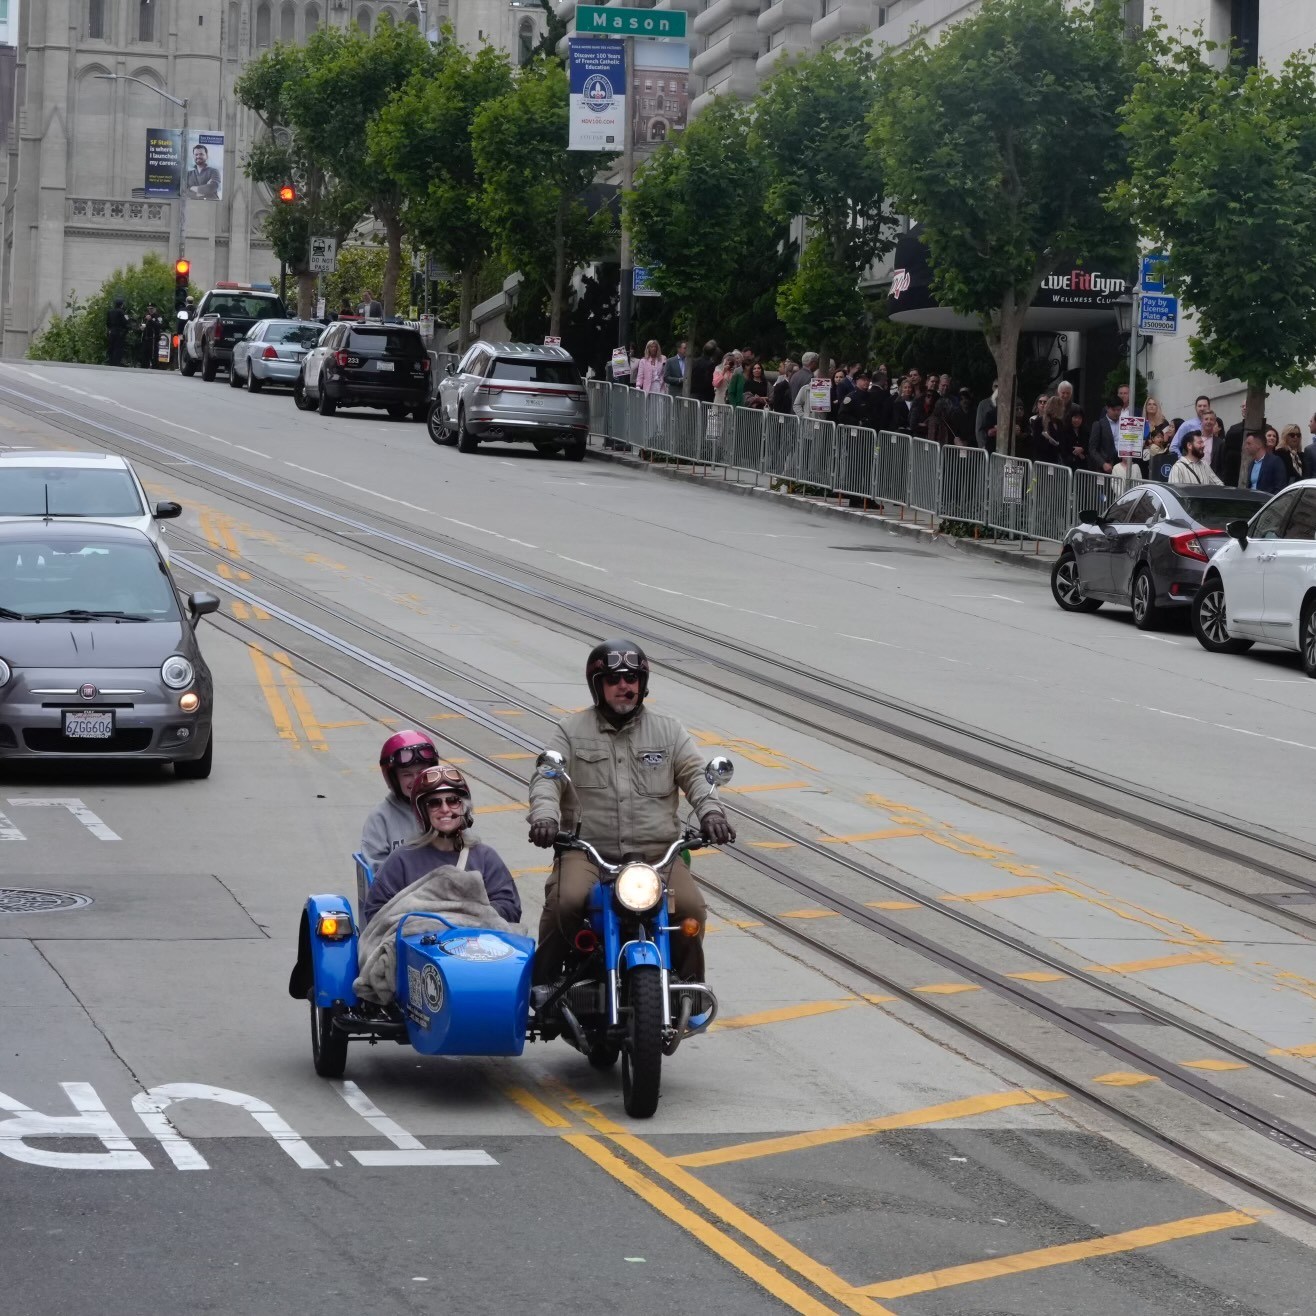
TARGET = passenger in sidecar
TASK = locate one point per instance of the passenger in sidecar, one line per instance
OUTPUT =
(441, 960)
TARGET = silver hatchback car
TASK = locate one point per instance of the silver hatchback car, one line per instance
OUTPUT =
(272, 352)
(513, 393)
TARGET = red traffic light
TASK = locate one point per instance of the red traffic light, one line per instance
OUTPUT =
(287, 194)
(182, 268)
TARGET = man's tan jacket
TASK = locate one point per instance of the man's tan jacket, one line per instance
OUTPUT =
(627, 780)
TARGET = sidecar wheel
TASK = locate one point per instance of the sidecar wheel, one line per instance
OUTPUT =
(328, 1046)
(603, 1055)
(642, 1054)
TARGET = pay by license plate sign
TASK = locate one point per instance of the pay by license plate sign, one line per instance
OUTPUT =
(88, 725)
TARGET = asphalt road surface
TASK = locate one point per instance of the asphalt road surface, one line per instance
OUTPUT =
(1070, 1071)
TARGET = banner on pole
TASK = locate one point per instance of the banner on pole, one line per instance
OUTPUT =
(596, 67)
(205, 174)
(660, 95)
(164, 161)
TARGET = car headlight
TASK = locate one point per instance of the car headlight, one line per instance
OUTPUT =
(639, 888)
(177, 672)
(5, 672)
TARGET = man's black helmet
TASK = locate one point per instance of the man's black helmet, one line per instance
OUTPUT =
(619, 655)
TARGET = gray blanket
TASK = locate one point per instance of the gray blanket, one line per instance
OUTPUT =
(459, 896)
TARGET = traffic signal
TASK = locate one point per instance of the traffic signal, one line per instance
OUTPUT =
(182, 270)
(287, 194)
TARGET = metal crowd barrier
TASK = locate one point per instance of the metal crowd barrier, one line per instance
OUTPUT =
(1008, 495)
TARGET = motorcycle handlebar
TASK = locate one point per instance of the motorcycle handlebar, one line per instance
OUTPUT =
(566, 841)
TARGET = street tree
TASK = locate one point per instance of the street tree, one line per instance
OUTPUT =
(698, 219)
(346, 80)
(279, 155)
(1224, 179)
(424, 138)
(1003, 141)
(810, 123)
(533, 188)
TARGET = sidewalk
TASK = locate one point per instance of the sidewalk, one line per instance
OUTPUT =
(1030, 554)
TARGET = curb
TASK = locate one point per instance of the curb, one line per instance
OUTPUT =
(1031, 555)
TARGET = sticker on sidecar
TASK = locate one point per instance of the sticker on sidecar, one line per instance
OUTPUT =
(483, 949)
(424, 989)
(87, 1119)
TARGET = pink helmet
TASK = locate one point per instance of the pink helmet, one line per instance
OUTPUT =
(403, 750)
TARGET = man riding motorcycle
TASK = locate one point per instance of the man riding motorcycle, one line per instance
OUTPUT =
(401, 759)
(627, 764)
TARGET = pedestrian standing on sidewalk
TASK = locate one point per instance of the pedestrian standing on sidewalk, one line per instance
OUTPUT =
(116, 331)
(1192, 466)
(756, 387)
(803, 375)
(1067, 422)
(701, 373)
(649, 373)
(722, 377)
(781, 388)
(674, 370)
(1290, 452)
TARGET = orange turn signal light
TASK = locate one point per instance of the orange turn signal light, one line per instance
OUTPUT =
(190, 702)
(334, 927)
(689, 927)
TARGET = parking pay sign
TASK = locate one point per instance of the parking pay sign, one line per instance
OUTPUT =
(324, 255)
(1158, 313)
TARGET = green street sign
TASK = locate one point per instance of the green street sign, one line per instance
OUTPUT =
(616, 21)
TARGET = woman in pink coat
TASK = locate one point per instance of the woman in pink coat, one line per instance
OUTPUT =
(649, 372)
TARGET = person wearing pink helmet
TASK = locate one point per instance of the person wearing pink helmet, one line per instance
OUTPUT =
(393, 821)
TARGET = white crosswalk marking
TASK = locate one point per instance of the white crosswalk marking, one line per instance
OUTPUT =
(8, 832)
(75, 806)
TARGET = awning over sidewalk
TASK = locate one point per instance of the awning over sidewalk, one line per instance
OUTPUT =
(1076, 297)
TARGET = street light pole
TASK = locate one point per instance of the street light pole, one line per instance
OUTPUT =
(180, 101)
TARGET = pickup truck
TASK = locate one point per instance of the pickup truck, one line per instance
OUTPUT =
(225, 314)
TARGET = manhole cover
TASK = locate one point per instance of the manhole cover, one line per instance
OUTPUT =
(21, 900)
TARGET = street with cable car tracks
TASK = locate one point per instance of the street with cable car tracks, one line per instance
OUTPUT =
(1205, 1098)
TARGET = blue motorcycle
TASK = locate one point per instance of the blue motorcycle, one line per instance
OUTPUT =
(460, 991)
(617, 998)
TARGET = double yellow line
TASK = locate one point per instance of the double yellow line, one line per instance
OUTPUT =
(302, 715)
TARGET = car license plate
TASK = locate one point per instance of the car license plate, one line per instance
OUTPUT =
(89, 726)
(383, 365)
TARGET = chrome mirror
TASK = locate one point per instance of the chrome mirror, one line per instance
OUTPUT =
(719, 770)
(551, 764)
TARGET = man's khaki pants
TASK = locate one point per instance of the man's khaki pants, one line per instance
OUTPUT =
(566, 894)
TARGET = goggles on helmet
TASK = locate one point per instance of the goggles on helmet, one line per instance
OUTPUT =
(410, 754)
(619, 660)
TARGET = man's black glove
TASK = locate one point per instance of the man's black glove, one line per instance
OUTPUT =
(544, 832)
(716, 829)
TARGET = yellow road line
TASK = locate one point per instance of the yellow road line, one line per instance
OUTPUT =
(784, 1014)
(512, 756)
(909, 1119)
(768, 1279)
(772, 845)
(892, 904)
(1160, 962)
(1214, 1066)
(1309, 1049)
(278, 709)
(499, 808)
(1065, 1254)
(240, 610)
(948, 988)
(1123, 1079)
(766, 786)
(1003, 893)
(1035, 976)
(809, 913)
(527, 872)
(532, 1105)
(301, 704)
(890, 834)
(744, 923)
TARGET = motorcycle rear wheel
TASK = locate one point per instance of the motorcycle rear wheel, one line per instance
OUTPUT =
(642, 1054)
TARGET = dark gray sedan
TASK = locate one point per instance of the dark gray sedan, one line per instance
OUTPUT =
(1148, 550)
(98, 658)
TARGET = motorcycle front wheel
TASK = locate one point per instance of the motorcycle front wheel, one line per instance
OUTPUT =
(642, 1054)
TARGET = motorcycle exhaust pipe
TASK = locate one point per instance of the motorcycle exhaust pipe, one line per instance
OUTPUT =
(682, 1022)
(573, 1028)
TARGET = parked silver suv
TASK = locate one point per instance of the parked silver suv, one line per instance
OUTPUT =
(514, 393)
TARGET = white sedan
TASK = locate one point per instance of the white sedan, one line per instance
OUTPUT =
(1261, 587)
(92, 486)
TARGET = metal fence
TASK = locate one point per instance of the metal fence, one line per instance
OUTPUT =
(1006, 495)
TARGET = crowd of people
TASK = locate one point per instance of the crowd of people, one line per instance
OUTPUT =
(1196, 450)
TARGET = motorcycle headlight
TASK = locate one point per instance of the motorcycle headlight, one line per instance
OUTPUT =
(639, 888)
(5, 672)
(177, 672)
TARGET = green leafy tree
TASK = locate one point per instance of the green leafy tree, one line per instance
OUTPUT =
(698, 218)
(423, 137)
(360, 266)
(533, 188)
(325, 206)
(1003, 141)
(810, 127)
(1224, 178)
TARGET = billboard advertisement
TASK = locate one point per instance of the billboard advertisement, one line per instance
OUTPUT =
(596, 67)
(164, 161)
(659, 94)
(205, 166)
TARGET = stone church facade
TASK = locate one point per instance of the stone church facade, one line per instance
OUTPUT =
(73, 174)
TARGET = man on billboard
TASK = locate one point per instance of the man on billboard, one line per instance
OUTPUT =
(203, 179)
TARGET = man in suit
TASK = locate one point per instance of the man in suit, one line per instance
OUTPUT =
(1103, 441)
(701, 372)
(674, 370)
(1264, 471)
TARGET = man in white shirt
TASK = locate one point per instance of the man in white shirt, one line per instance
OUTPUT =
(1192, 468)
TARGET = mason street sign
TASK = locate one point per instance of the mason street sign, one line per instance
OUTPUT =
(616, 21)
